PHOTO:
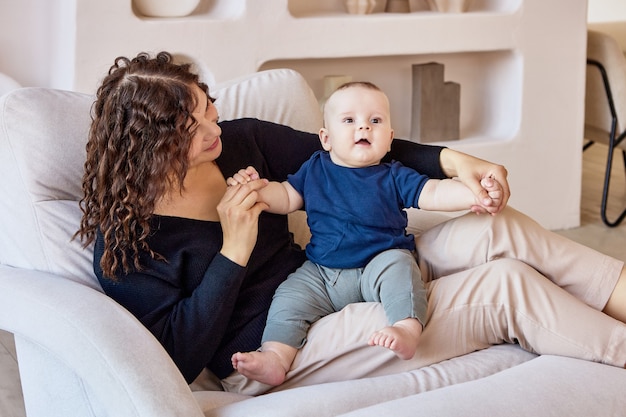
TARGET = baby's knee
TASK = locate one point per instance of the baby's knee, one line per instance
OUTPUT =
(395, 256)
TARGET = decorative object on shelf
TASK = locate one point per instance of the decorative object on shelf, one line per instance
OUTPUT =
(420, 6)
(331, 83)
(436, 105)
(360, 6)
(397, 6)
(380, 7)
(449, 6)
(165, 8)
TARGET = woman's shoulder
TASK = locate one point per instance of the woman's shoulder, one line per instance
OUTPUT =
(262, 129)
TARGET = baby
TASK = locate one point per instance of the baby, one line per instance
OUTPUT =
(359, 249)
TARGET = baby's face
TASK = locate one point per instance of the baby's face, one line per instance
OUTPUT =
(357, 130)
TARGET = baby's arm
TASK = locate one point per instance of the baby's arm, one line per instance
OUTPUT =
(281, 197)
(453, 195)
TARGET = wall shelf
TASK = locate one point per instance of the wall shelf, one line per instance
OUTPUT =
(520, 64)
(493, 78)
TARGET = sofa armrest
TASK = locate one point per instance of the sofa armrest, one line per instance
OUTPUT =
(115, 358)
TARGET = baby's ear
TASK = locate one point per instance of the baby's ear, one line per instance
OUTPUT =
(390, 141)
(324, 139)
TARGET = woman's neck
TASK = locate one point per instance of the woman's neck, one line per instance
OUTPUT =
(204, 187)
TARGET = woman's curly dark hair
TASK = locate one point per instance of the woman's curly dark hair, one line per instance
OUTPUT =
(138, 148)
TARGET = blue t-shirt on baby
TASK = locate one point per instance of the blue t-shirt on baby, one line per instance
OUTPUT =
(356, 213)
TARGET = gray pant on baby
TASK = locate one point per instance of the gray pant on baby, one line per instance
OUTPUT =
(314, 291)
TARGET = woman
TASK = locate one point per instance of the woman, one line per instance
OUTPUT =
(197, 262)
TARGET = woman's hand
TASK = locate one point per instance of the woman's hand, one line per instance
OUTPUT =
(239, 212)
(471, 171)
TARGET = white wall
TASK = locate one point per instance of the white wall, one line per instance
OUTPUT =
(606, 11)
(37, 38)
(37, 41)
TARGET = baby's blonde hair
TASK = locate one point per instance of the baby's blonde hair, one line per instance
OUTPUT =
(350, 84)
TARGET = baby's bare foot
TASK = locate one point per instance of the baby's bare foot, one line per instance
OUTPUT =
(401, 338)
(264, 367)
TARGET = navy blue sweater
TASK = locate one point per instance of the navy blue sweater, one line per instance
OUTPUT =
(201, 306)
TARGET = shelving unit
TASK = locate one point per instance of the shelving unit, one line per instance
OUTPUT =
(307, 8)
(484, 76)
(520, 64)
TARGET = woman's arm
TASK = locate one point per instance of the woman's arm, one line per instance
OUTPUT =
(239, 212)
(284, 149)
(425, 159)
(188, 297)
(189, 325)
(274, 150)
(439, 162)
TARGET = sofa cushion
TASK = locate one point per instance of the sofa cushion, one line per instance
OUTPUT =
(42, 151)
(281, 96)
(334, 398)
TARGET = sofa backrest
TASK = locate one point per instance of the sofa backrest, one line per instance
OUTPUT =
(42, 150)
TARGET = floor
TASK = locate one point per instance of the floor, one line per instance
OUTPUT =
(592, 232)
(11, 402)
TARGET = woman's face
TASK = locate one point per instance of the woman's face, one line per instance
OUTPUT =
(206, 144)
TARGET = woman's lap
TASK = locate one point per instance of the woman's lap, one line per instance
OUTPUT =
(500, 301)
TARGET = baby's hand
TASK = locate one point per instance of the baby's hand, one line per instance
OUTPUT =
(243, 176)
(495, 192)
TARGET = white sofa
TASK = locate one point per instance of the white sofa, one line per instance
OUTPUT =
(81, 354)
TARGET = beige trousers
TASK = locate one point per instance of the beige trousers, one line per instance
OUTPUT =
(468, 241)
(486, 279)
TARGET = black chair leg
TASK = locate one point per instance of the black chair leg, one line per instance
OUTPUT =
(613, 140)
(605, 191)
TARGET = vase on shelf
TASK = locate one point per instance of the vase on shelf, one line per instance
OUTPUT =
(380, 6)
(165, 8)
(397, 6)
(360, 6)
(435, 106)
(420, 6)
